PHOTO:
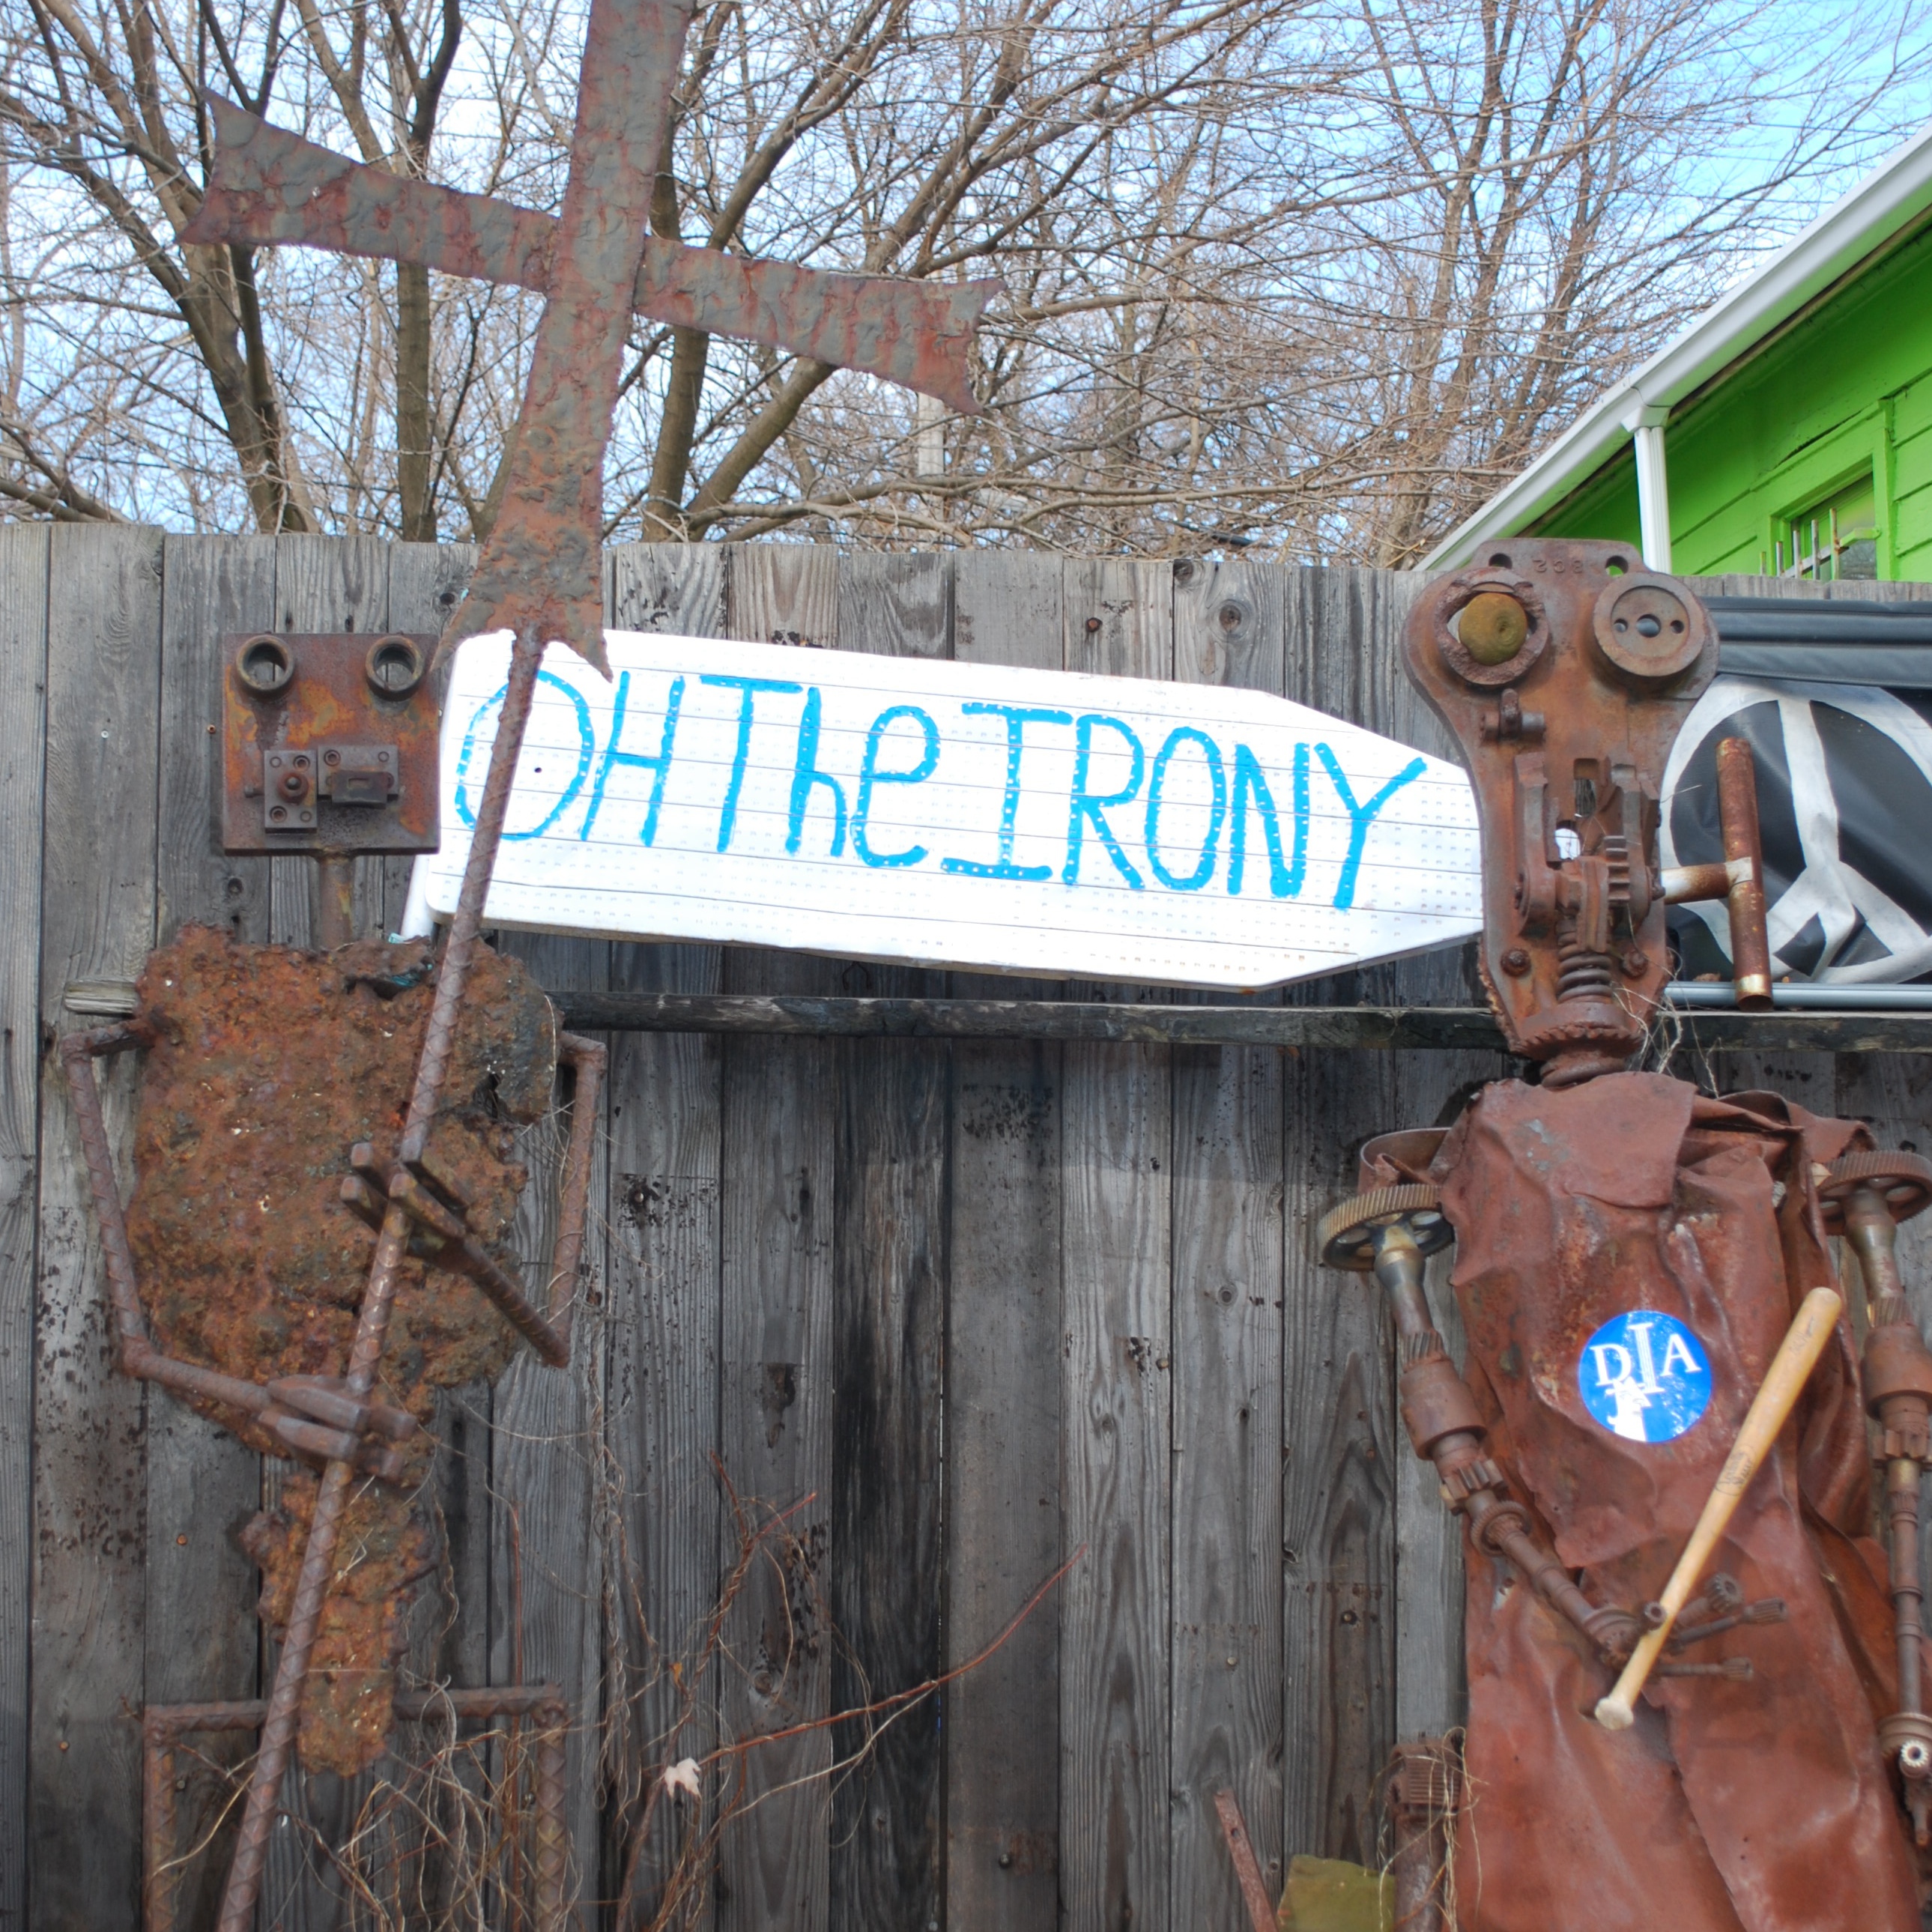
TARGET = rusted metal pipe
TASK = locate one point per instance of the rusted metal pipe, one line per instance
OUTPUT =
(1247, 1867)
(284, 1711)
(1744, 855)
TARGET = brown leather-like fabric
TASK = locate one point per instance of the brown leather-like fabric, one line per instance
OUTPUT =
(1755, 1807)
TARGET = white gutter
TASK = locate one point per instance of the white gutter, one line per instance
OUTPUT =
(1893, 195)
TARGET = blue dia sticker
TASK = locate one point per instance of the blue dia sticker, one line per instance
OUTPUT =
(1645, 1377)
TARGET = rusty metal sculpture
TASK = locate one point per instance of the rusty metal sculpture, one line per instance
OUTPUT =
(425, 1165)
(1787, 1783)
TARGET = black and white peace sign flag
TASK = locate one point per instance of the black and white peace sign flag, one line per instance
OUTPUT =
(1836, 700)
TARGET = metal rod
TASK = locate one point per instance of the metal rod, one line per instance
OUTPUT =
(284, 1711)
(1247, 1867)
(1744, 852)
(1825, 998)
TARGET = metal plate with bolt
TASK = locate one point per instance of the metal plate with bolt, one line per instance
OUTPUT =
(329, 744)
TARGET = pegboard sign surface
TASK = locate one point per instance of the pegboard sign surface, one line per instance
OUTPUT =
(940, 814)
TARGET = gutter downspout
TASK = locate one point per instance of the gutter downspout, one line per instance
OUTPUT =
(1645, 421)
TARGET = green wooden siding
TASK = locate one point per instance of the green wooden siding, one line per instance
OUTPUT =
(1843, 393)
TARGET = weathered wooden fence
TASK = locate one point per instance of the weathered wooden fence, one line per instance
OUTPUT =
(985, 1305)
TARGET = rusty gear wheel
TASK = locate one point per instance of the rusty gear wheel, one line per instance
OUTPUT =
(1346, 1236)
(1903, 1180)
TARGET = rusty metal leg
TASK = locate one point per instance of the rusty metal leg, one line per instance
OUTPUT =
(1424, 1789)
(552, 1848)
(159, 1880)
(278, 1731)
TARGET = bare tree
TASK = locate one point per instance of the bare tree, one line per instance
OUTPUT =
(1304, 275)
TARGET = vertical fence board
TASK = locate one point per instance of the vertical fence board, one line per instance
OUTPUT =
(98, 906)
(1338, 1505)
(662, 1321)
(1226, 1694)
(23, 673)
(426, 582)
(777, 1372)
(1431, 1692)
(1338, 1513)
(202, 1485)
(1116, 1149)
(546, 1461)
(1004, 1339)
(889, 1302)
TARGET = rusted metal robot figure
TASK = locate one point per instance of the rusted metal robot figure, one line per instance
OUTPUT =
(266, 1155)
(1630, 1253)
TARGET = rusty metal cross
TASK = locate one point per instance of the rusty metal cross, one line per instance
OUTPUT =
(596, 264)
(538, 578)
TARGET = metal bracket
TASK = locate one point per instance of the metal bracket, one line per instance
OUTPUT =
(329, 743)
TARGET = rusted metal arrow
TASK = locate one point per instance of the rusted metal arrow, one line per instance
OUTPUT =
(538, 577)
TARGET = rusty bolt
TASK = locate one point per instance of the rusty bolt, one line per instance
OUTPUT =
(1093, 624)
(293, 784)
(1516, 961)
(1493, 627)
(1636, 961)
(278, 812)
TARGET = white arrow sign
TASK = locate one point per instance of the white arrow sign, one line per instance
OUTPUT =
(939, 814)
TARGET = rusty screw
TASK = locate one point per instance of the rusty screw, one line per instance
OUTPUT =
(1494, 627)
(1636, 961)
(293, 785)
(1516, 961)
(331, 758)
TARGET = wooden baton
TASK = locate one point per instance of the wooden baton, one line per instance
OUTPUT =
(1790, 1369)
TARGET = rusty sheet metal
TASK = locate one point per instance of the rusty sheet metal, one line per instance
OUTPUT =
(269, 187)
(1758, 1801)
(263, 1065)
(288, 697)
(1564, 670)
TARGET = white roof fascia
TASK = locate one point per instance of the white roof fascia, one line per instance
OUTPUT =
(1893, 194)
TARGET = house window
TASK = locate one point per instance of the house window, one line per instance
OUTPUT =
(1834, 538)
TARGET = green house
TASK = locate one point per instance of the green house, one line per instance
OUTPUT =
(1787, 431)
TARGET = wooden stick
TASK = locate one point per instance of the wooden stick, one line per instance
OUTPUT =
(1790, 1369)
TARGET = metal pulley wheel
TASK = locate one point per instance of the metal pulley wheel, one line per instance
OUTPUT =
(1346, 1236)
